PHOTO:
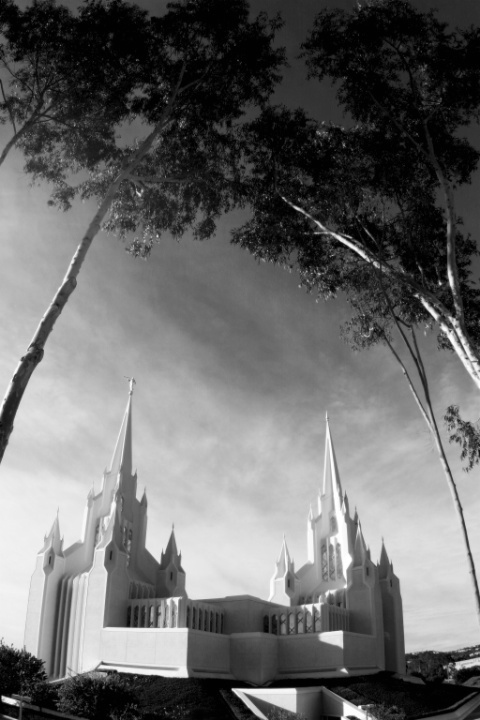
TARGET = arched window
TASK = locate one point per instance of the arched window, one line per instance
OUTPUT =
(211, 622)
(317, 623)
(151, 616)
(173, 616)
(166, 616)
(129, 615)
(283, 624)
(159, 615)
(194, 618)
(331, 561)
(300, 627)
(338, 552)
(200, 619)
(135, 616)
(266, 624)
(222, 622)
(333, 525)
(308, 621)
(275, 624)
(188, 616)
(324, 561)
(143, 616)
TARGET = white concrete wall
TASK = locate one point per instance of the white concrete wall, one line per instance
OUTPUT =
(309, 654)
(254, 657)
(177, 652)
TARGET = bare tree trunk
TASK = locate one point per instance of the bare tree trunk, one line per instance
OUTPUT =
(429, 417)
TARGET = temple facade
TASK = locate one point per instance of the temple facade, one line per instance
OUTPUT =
(106, 603)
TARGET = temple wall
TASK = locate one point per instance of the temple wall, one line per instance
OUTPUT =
(168, 652)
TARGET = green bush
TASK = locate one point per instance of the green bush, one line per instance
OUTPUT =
(465, 673)
(111, 697)
(20, 672)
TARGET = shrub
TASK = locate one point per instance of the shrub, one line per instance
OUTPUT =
(20, 672)
(111, 697)
(465, 673)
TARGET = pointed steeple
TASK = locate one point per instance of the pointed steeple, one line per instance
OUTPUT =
(384, 565)
(331, 476)
(360, 550)
(53, 539)
(122, 455)
(284, 563)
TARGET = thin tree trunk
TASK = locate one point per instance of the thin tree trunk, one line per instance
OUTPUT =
(447, 322)
(35, 350)
(431, 422)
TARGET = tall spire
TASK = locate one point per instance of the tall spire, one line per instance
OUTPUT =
(122, 455)
(53, 538)
(284, 563)
(331, 477)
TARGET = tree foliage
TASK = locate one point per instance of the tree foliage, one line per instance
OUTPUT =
(20, 672)
(111, 697)
(350, 205)
(156, 146)
(431, 666)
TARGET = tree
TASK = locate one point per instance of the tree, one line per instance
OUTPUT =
(431, 666)
(369, 210)
(185, 79)
(111, 697)
(20, 672)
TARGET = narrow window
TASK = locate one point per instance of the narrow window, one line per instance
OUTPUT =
(274, 625)
(291, 624)
(129, 615)
(266, 624)
(339, 561)
(324, 561)
(331, 561)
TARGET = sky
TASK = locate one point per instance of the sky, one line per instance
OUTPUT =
(236, 367)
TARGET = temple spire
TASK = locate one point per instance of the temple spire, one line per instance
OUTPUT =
(331, 476)
(122, 455)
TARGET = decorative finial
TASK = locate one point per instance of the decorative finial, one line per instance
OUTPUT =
(132, 382)
(326, 416)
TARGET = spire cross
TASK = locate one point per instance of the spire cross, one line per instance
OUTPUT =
(132, 382)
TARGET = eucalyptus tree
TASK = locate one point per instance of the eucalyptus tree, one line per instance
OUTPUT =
(369, 209)
(185, 79)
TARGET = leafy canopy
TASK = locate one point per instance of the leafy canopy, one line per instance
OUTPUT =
(410, 86)
(79, 93)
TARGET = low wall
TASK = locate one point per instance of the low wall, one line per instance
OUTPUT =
(170, 652)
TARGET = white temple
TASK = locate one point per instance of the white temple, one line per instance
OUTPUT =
(106, 603)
